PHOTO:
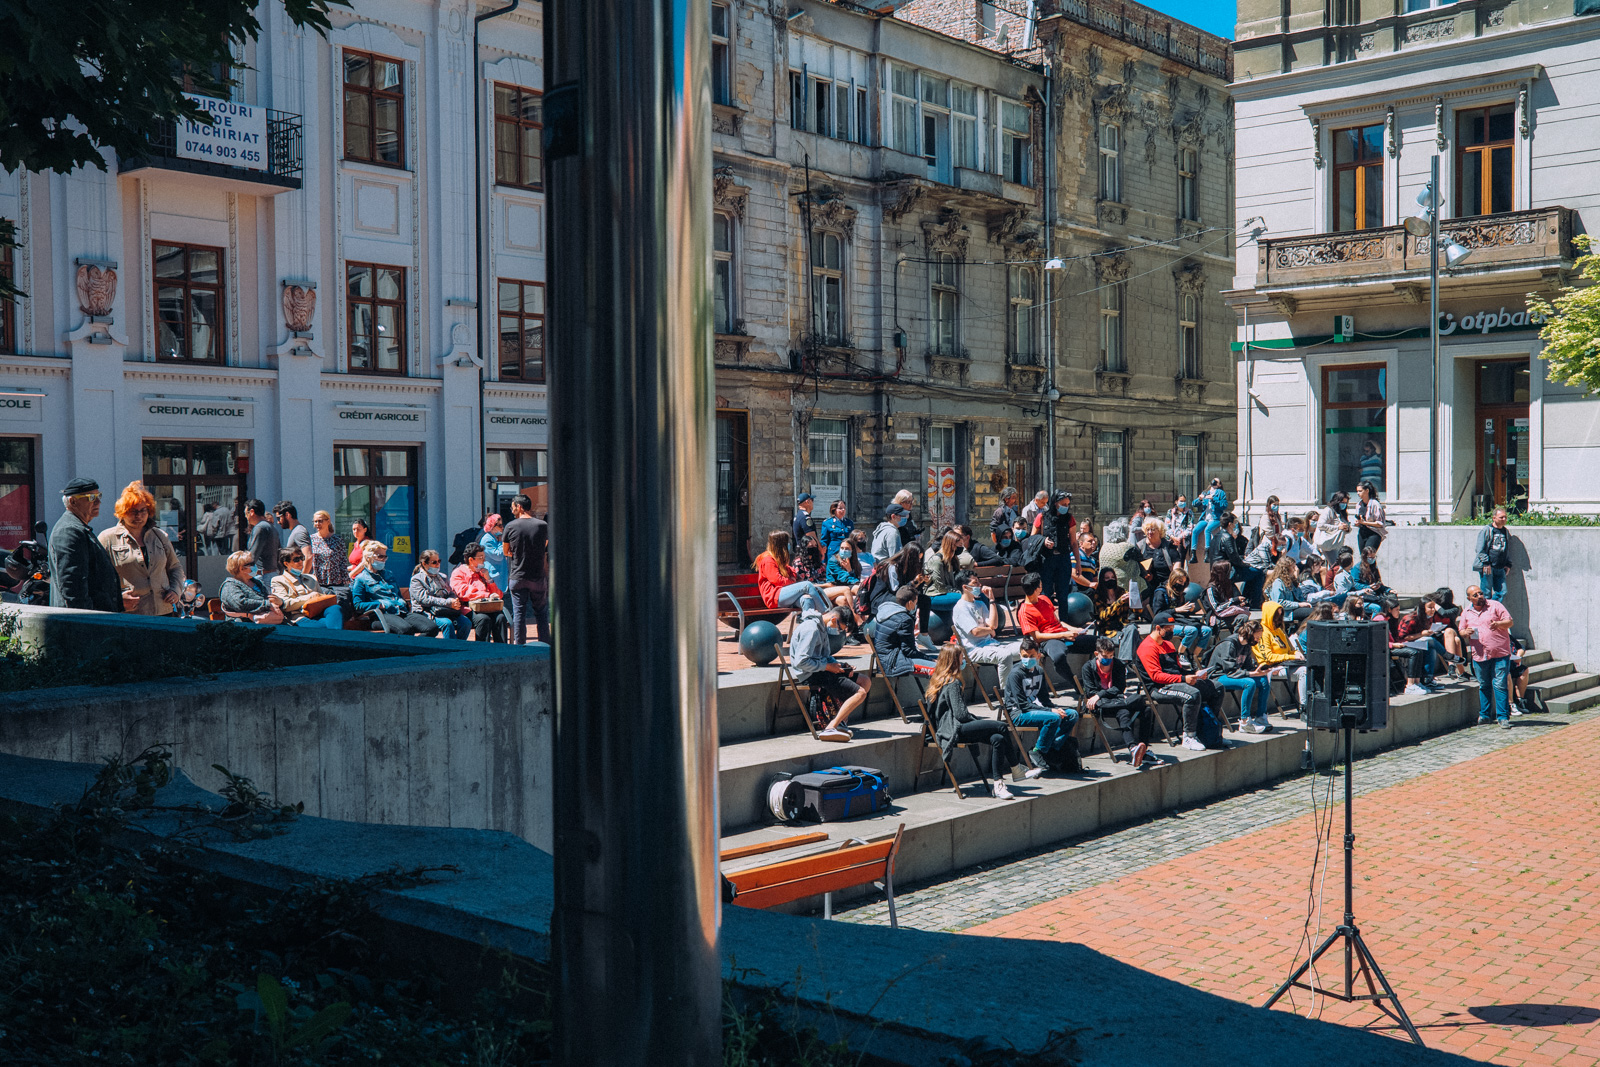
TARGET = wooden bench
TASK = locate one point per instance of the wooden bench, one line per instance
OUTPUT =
(742, 595)
(853, 863)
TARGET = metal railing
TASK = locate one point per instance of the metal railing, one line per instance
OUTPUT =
(285, 153)
(1149, 29)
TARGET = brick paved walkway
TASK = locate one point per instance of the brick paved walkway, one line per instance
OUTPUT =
(1476, 887)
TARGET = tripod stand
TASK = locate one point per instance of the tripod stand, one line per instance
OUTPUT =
(1357, 956)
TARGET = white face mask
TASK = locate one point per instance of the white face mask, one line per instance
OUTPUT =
(431, 570)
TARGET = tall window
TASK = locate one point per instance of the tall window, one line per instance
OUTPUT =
(863, 124)
(722, 271)
(1022, 284)
(721, 56)
(379, 486)
(1186, 466)
(946, 300)
(1189, 335)
(1108, 472)
(374, 108)
(828, 441)
(8, 308)
(797, 100)
(518, 130)
(1358, 177)
(936, 126)
(1111, 162)
(941, 474)
(821, 107)
(16, 491)
(376, 296)
(826, 106)
(513, 471)
(1484, 144)
(188, 302)
(827, 287)
(1016, 143)
(1354, 426)
(1112, 357)
(521, 330)
(964, 126)
(903, 95)
(1188, 181)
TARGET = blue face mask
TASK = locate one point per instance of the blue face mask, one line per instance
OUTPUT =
(1005, 540)
(1104, 661)
(376, 568)
(1182, 506)
(1063, 510)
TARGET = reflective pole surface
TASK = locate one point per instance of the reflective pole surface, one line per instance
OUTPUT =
(627, 127)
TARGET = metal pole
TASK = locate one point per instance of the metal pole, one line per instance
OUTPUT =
(1049, 284)
(1433, 345)
(628, 148)
(1349, 856)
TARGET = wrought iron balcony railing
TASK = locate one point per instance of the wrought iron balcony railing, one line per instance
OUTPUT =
(279, 161)
(1530, 239)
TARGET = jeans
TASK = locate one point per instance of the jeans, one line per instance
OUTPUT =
(991, 732)
(790, 596)
(1200, 539)
(1055, 576)
(1254, 694)
(530, 603)
(1249, 580)
(940, 605)
(1296, 678)
(1492, 580)
(1192, 637)
(1493, 675)
(332, 619)
(1053, 729)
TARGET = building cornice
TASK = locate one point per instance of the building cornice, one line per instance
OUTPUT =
(376, 384)
(57, 365)
(1459, 85)
(155, 372)
(1454, 60)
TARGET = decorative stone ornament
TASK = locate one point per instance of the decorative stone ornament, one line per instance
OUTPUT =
(299, 307)
(947, 235)
(727, 193)
(97, 289)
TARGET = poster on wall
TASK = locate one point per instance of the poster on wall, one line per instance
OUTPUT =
(941, 494)
(16, 515)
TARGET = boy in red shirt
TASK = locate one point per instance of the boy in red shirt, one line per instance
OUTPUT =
(1158, 656)
(1037, 619)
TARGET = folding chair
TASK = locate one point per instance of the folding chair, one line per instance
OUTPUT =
(787, 681)
(1085, 713)
(1151, 696)
(875, 667)
(929, 738)
(997, 704)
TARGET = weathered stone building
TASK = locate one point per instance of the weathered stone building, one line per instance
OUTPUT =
(885, 311)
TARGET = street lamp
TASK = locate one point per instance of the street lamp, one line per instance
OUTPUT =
(1427, 225)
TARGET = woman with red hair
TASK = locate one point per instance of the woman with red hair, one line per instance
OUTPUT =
(152, 576)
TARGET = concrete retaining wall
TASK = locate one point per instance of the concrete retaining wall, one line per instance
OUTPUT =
(422, 732)
(1551, 589)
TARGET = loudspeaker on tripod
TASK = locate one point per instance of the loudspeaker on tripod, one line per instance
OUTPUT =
(1348, 664)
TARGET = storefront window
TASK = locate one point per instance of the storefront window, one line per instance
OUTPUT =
(519, 470)
(1354, 425)
(378, 485)
(200, 492)
(16, 491)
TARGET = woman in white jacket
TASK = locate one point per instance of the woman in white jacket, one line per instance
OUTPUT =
(1333, 526)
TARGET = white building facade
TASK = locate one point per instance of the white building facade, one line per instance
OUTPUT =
(288, 306)
(1338, 125)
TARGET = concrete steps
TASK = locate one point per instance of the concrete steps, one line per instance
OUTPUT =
(1578, 701)
(1549, 670)
(1571, 682)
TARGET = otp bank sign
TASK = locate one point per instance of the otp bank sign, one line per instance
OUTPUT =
(1488, 321)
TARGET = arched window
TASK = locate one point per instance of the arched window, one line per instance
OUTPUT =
(1189, 335)
(1022, 335)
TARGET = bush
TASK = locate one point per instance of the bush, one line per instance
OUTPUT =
(1550, 517)
(216, 647)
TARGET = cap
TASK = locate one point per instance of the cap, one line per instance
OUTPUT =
(802, 498)
(894, 509)
(79, 486)
(1164, 618)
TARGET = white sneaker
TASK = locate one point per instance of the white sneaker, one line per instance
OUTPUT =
(1262, 726)
(834, 735)
(1001, 792)
(1192, 743)
(1254, 726)
(1033, 773)
(1413, 690)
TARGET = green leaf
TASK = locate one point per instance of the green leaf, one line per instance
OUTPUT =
(274, 1001)
(321, 1025)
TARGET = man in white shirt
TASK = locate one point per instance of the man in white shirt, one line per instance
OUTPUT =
(1031, 510)
(975, 624)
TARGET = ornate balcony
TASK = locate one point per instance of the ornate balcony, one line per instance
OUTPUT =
(249, 144)
(1537, 241)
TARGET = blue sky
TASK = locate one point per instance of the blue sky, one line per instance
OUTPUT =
(1216, 16)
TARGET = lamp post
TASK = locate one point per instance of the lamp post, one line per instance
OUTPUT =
(1428, 225)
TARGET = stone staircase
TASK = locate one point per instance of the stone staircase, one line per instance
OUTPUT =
(762, 735)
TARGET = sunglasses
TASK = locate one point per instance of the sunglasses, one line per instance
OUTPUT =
(94, 497)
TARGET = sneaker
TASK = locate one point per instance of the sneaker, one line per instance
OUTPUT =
(1140, 751)
(1017, 771)
(1414, 690)
(1485, 722)
(1259, 726)
(1192, 743)
(1519, 709)
(1035, 772)
(1505, 724)
(1001, 792)
(834, 735)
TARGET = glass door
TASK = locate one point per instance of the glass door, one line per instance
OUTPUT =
(200, 495)
(378, 485)
(1502, 414)
(733, 490)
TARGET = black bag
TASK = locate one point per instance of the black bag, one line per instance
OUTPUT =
(821, 707)
(463, 539)
(838, 793)
(1064, 760)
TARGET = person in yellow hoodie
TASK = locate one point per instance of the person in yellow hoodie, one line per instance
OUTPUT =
(1273, 650)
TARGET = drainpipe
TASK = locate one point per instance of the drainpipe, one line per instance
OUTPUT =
(1247, 476)
(638, 976)
(479, 195)
(1050, 394)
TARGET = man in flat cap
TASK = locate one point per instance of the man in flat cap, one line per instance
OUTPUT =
(81, 572)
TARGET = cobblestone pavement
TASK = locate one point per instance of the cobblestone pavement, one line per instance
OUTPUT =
(1477, 878)
(988, 891)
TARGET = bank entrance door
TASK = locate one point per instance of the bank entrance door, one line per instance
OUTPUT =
(200, 493)
(1502, 421)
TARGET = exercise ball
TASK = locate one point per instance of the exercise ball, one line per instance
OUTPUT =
(835, 642)
(1193, 593)
(1080, 609)
(759, 643)
(939, 631)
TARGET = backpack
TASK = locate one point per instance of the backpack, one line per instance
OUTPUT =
(462, 540)
(1209, 732)
(1065, 758)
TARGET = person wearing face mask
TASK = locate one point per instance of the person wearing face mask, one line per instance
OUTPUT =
(1180, 523)
(1030, 707)
(1005, 515)
(244, 597)
(1104, 682)
(370, 592)
(886, 538)
(975, 623)
(1159, 658)
(475, 587)
(1008, 548)
(298, 589)
(1333, 526)
(1212, 505)
(431, 594)
(1059, 530)
(811, 653)
(1486, 626)
(836, 529)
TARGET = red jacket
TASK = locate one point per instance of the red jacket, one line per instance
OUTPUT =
(771, 578)
(469, 586)
(1160, 660)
